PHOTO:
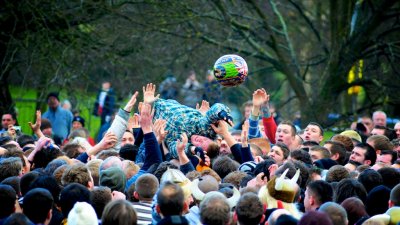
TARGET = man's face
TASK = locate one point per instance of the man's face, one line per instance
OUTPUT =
(106, 86)
(397, 129)
(313, 133)
(315, 155)
(379, 119)
(358, 155)
(284, 134)
(377, 131)
(247, 111)
(368, 123)
(201, 141)
(76, 125)
(53, 102)
(7, 120)
(386, 159)
(127, 138)
(224, 148)
(307, 203)
(276, 154)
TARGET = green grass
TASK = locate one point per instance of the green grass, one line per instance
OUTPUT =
(25, 102)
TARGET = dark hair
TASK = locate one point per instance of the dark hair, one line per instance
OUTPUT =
(370, 179)
(249, 209)
(46, 155)
(53, 165)
(392, 153)
(162, 168)
(223, 165)
(37, 204)
(119, 212)
(395, 195)
(129, 151)
(14, 183)
(72, 194)
(25, 139)
(390, 176)
(263, 167)
(310, 143)
(321, 190)
(284, 148)
(347, 188)
(7, 199)
(72, 150)
(321, 129)
(370, 153)
(338, 148)
(355, 209)
(49, 183)
(301, 155)
(100, 197)
(17, 219)
(26, 181)
(146, 186)
(292, 127)
(170, 199)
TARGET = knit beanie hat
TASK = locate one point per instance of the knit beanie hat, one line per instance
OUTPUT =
(79, 119)
(82, 214)
(286, 220)
(325, 164)
(113, 178)
(377, 200)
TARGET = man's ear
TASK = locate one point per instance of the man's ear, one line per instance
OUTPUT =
(158, 210)
(335, 156)
(390, 203)
(311, 200)
(185, 207)
(136, 195)
(367, 162)
(90, 185)
(262, 219)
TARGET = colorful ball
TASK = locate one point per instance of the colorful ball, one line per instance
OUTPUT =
(230, 70)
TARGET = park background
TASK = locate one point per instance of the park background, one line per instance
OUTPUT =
(332, 61)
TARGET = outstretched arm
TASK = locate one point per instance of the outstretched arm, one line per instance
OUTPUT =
(36, 127)
(149, 93)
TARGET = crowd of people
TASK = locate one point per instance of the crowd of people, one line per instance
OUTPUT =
(161, 162)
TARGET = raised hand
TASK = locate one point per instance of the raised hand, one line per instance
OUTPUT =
(181, 144)
(205, 106)
(146, 118)
(149, 93)
(260, 97)
(133, 122)
(108, 141)
(159, 129)
(222, 128)
(131, 102)
(36, 127)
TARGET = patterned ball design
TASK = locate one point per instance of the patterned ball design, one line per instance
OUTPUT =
(230, 70)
